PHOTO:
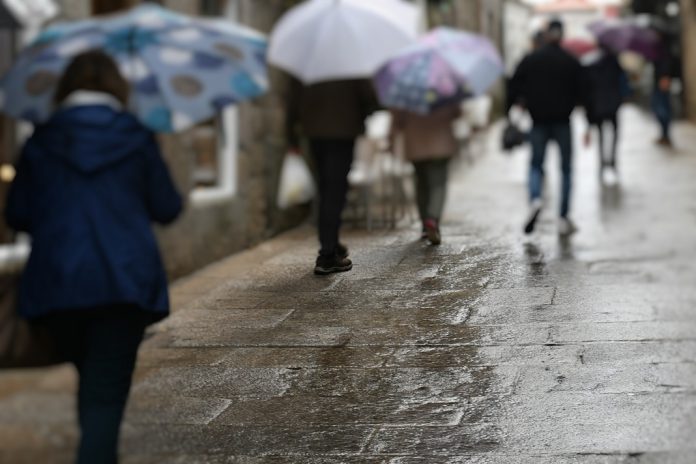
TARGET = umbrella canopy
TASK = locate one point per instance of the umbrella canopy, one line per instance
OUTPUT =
(444, 67)
(579, 47)
(322, 40)
(182, 70)
(622, 35)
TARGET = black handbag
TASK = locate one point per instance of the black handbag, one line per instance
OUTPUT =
(22, 344)
(512, 136)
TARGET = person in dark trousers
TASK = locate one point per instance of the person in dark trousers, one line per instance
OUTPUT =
(608, 86)
(549, 84)
(89, 183)
(661, 97)
(430, 144)
(331, 115)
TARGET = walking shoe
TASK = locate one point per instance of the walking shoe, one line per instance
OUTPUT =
(329, 264)
(664, 141)
(566, 227)
(342, 251)
(610, 177)
(432, 231)
(534, 211)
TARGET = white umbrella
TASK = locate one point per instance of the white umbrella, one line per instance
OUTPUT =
(322, 40)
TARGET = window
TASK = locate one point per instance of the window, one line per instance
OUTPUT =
(216, 144)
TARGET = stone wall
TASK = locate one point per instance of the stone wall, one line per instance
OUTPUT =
(688, 15)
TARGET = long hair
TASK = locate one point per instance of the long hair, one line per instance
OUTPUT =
(92, 70)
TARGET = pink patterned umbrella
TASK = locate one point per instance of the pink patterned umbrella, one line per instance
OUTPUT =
(444, 67)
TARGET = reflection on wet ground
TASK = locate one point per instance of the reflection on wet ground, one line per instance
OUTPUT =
(493, 348)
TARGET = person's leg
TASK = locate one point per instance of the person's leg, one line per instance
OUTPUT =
(333, 159)
(602, 146)
(539, 139)
(563, 136)
(111, 345)
(422, 188)
(663, 112)
(437, 186)
(614, 121)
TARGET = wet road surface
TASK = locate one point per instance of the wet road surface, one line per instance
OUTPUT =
(492, 348)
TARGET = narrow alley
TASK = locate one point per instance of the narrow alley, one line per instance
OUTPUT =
(492, 348)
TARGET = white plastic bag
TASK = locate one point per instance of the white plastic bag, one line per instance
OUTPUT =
(296, 182)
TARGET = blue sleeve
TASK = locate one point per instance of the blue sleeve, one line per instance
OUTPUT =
(18, 208)
(164, 202)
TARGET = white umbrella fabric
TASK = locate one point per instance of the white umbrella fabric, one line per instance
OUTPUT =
(323, 40)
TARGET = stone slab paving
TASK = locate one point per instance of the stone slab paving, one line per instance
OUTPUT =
(492, 348)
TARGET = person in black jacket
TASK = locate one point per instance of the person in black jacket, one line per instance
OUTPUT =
(661, 97)
(549, 84)
(608, 85)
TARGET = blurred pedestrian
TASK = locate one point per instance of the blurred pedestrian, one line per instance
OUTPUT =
(429, 143)
(608, 85)
(89, 182)
(548, 82)
(331, 115)
(662, 97)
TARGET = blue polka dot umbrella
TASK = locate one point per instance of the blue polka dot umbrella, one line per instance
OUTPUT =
(183, 70)
(442, 68)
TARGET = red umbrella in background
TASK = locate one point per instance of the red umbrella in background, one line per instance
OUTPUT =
(579, 47)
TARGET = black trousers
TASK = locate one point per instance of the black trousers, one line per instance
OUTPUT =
(333, 158)
(103, 345)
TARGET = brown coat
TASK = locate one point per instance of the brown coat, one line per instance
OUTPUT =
(427, 137)
(328, 110)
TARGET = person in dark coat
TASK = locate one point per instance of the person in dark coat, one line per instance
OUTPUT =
(331, 115)
(548, 83)
(661, 96)
(89, 183)
(608, 86)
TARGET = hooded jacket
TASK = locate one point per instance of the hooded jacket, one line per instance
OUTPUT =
(606, 80)
(88, 185)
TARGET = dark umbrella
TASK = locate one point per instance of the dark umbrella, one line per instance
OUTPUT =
(624, 35)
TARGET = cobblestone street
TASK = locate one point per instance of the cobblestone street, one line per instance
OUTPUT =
(492, 348)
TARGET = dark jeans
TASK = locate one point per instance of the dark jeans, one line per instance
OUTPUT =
(103, 345)
(539, 137)
(607, 156)
(431, 187)
(662, 107)
(333, 158)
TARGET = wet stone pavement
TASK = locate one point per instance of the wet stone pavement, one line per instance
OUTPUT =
(492, 348)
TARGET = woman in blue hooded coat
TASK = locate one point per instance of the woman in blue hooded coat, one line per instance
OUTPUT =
(89, 184)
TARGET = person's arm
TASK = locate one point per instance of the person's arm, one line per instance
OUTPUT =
(18, 207)
(515, 87)
(164, 202)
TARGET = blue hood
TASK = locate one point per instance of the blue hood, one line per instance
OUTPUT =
(92, 138)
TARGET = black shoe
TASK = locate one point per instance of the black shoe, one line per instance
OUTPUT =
(330, 264)
(342, 251)
(534, 211)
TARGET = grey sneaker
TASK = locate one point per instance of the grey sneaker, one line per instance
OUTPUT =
(566, 227)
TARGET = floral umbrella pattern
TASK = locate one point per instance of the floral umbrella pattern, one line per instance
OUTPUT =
(444, 67)
(182, 70)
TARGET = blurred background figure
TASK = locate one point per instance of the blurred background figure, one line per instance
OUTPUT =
(89, 182)
(661, 97)
(429, 143)
(331, 115)
(548, 82)
(608, 85)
